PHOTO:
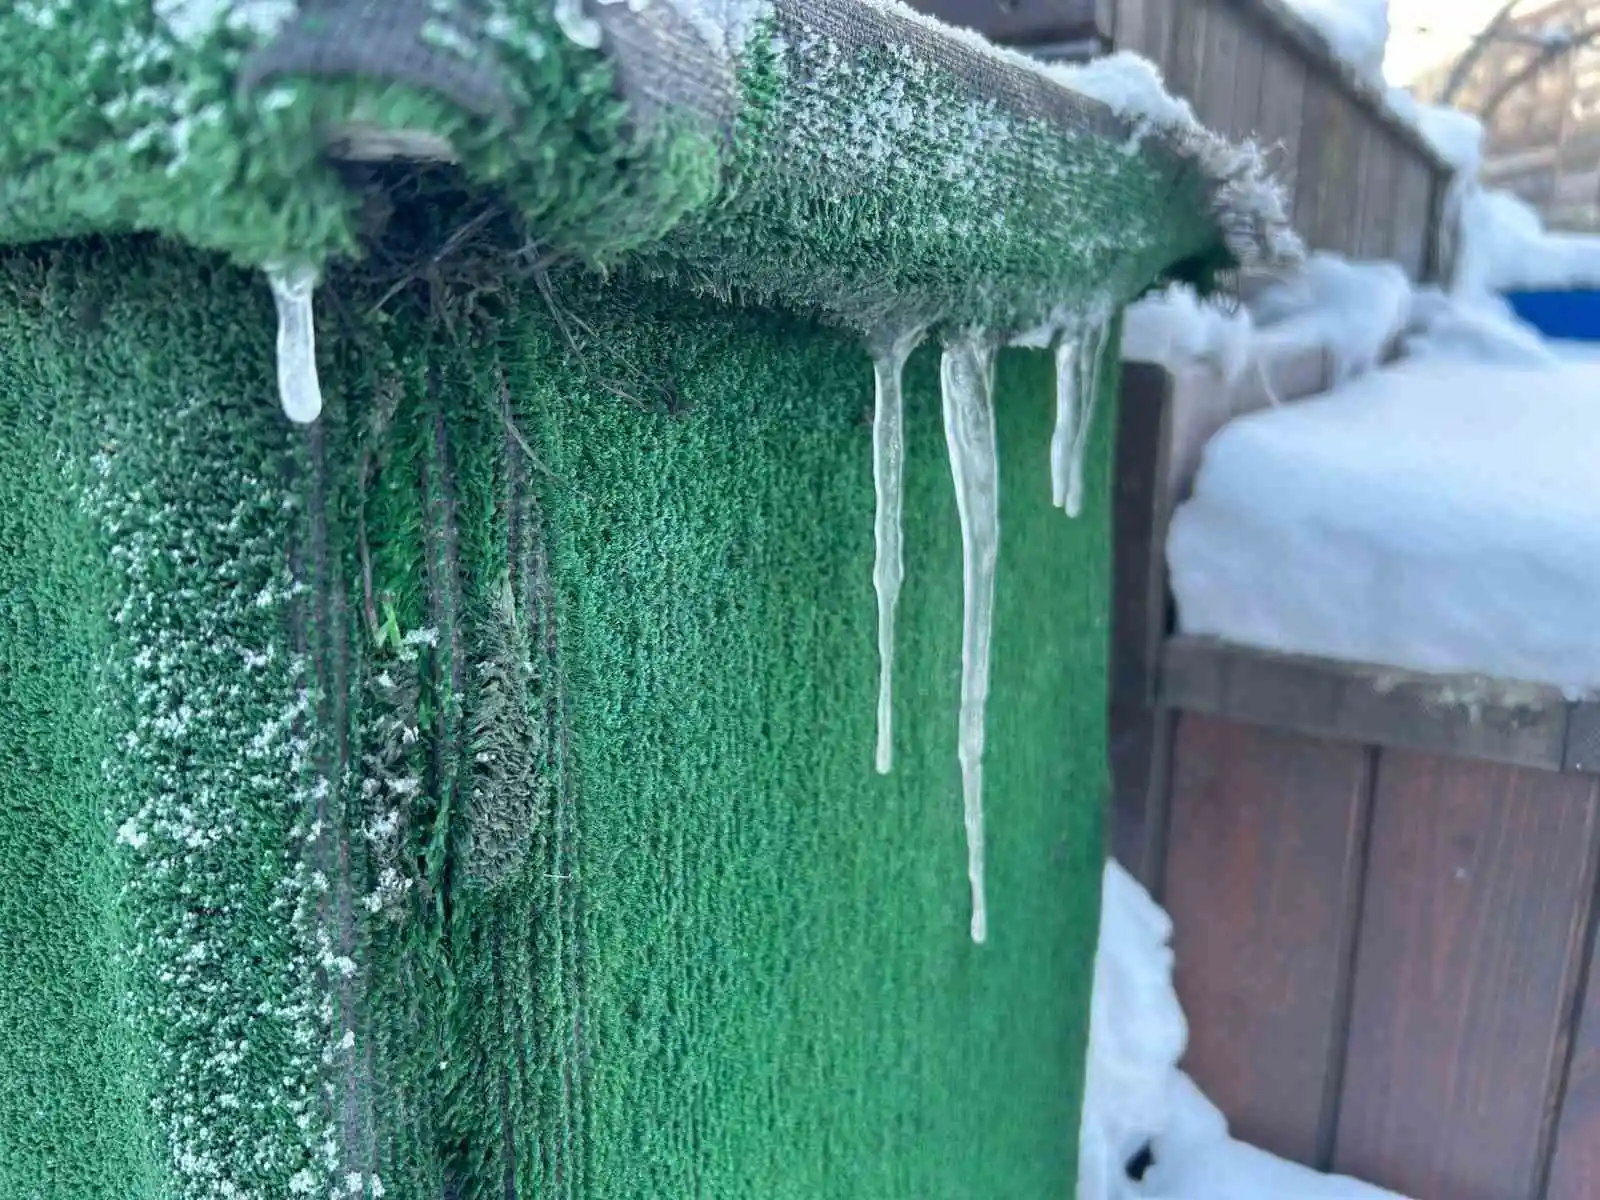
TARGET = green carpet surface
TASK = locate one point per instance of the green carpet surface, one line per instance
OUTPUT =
(472, 794)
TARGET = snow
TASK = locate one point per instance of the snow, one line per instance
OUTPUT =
(1357, 31)
(1437, 516)
(1136, 1096)
(1354, 312)
(298, 386)
(1130, 86)
(889, 353)
(1456, 137)
(967, 376)
(1504, 247)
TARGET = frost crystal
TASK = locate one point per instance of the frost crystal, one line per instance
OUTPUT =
(298, 388)
(967, 376)
(890, 349)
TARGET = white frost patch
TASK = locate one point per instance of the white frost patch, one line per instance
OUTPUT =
(890, 349)
(193, 21)
(298, 387)
(967, 376)
(1135, 1096)
(1437, 516)
(722, 24)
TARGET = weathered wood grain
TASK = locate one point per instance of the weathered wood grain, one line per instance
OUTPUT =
(1478, 889)
(1264, 858)
(1523, 725)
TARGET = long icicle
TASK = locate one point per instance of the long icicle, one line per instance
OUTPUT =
(967, 375)
(1094, 344)
(1069, 363)
(890, 349)
(298, 388)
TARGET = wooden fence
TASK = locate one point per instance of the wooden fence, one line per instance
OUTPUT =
(1384, 885)
(1365, 184)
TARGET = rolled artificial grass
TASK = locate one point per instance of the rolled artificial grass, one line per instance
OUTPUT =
(471, 793)
(687, 942)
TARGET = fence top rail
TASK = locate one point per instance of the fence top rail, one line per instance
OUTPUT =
(1308, 41)
(1459, 716)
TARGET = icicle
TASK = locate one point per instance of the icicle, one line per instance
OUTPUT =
(298, 389)
(1069, 363)
(890, 349)
(968, 379)
(1092, 345)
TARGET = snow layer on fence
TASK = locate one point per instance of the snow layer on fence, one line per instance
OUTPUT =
(1437, 516)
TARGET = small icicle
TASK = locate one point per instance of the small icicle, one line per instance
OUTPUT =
(968, 379)
(1069, 363)
(890, 349)
(1092, 346)
(298, 389)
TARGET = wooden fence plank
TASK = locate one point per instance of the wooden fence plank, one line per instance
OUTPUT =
(1413, 211)
(1263, 864)
(1519, 725)
(1320, 99)
(1281, 114)
(1141, 509)
(1141, 733)
(1185, 66)
(1377, 240)
(1338, 174)
(1575, 1172)
(1249, 72)
(1477, 895)
(1021, 21)
(1214, 93)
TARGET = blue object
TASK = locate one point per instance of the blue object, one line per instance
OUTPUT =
(1567, 315)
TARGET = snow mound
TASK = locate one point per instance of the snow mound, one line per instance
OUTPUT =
(1137, 1099)
(1353, 311)
(1357, 31)
(1174, 327)
(1504, 247)
(1437, 516)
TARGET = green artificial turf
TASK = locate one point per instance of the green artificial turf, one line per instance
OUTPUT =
(521, 730)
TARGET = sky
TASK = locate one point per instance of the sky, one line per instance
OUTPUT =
(1425, 33)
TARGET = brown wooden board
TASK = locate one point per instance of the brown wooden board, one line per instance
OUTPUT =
(1249, 70)
(1020, 21)
(1141, 508)
(1575, 1171)
(1338, 176)
(1159, 19)
(1320, 99)
(1478, 889)
(1187, 48)
(1281, 112)
(1413, 212)
(1141, 757)
(1131, 28)
(1214, 94)
(1264, 856)
(1378, 216)
(1522, 725)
